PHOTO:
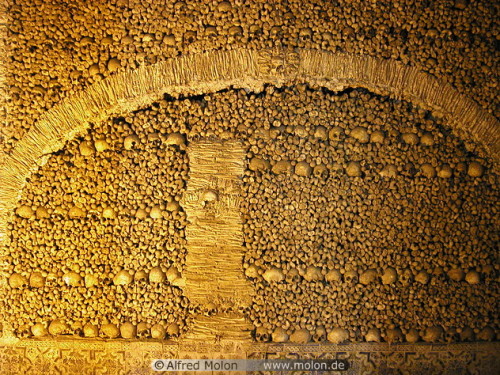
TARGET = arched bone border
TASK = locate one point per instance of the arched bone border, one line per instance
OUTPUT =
(240, 68)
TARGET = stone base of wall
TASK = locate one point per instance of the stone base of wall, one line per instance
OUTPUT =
(82, 356)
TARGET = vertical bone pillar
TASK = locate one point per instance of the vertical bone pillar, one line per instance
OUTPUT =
(214, 273)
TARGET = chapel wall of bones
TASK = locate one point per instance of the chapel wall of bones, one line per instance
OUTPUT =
(364, 219)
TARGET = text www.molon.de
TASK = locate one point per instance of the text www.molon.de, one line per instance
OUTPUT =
(250, 365)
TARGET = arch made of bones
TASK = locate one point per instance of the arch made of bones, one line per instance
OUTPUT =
(240, 68)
